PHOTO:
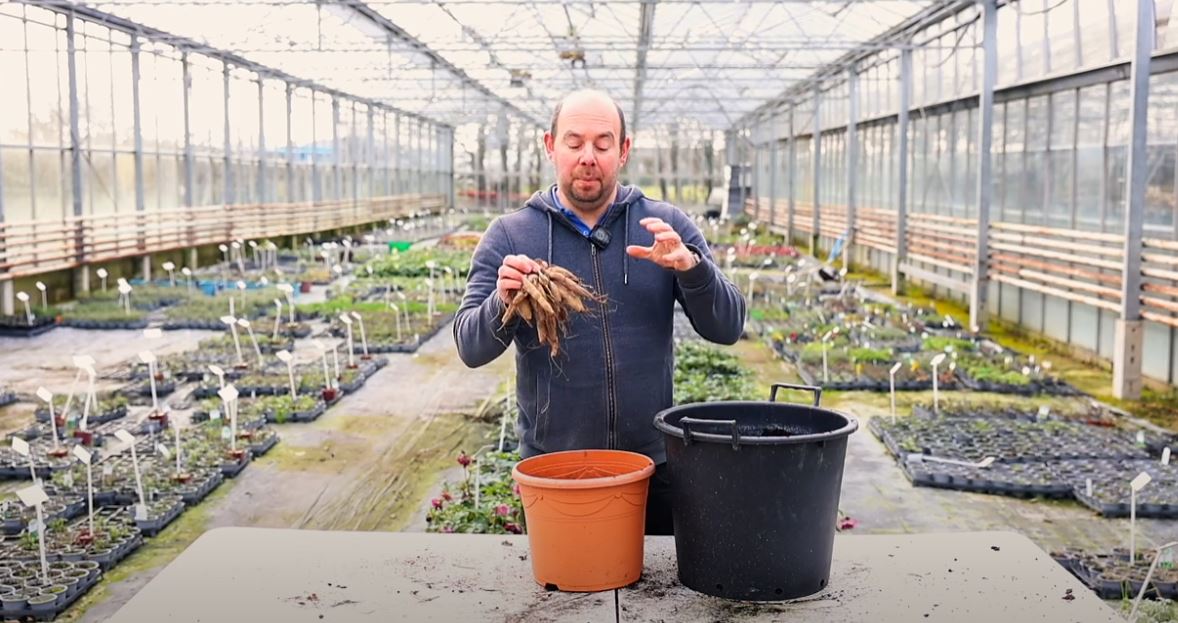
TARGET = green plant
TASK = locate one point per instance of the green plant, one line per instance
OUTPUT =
(499, 509)
(705, 373)
(940, 344)
(871, 355)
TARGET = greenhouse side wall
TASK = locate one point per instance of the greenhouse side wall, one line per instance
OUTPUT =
(117, 141)
(1060, 142)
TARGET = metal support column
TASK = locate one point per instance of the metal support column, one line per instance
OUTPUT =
(852, 162)
(793, 165)
(370, 158)
(979, 289)
(229, 197)
(815, 220)
(756, 172)
(262, 198)
(82, 280)
(398, 189)
(8, 297)
(1128, 348)
(354, 165)
(290, 196)
(189, 174)
(450, 164)
(901, 256)
(773, 147)
(316, 184)
(137, 131)
(337, 175)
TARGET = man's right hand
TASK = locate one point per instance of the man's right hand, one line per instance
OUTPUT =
(511, 275)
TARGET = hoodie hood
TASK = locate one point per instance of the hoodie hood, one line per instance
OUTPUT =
(542, 200)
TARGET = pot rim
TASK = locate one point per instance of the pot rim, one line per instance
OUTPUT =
(851, 425)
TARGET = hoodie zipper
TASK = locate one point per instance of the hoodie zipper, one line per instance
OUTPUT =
(611, 410)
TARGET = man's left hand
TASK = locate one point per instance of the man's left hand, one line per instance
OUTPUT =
(668, 249)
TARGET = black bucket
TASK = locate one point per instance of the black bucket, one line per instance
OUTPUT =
(755, 489)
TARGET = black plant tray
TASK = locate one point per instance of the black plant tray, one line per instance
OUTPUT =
(17, 326)
(105, 325)
(153, 525)
(230, 469)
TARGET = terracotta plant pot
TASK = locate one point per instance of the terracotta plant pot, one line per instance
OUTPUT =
(586, 516)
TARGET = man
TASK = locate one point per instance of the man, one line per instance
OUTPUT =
(614, 370)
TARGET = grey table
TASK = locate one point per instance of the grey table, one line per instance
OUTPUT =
(256, 574)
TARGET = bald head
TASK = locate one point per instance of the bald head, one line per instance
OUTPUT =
(592, 101)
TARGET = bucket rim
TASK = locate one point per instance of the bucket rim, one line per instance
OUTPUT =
(602, 482)
(852, 424)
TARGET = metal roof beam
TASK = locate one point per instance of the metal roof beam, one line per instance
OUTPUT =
(401, 34)
(645, 26)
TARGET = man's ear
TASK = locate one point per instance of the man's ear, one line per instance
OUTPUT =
(626, 150)
(549, 144)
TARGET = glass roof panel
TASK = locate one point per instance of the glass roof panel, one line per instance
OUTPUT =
(707, 61)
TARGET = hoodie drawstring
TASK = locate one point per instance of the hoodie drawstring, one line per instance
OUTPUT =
(549, 237)
(625, 255)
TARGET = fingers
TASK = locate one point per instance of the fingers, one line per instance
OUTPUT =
(655, 225)
(511, 275)
(510, 272)
(521, 263)
(642, 253)
(667, 236)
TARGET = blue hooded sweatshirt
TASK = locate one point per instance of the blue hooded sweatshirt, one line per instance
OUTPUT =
(614, 369)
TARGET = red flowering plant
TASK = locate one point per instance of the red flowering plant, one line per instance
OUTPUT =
(499, 509)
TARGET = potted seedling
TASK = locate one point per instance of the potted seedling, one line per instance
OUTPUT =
(86, 458)
(34, 496)
(229, 397)
(231, 322)
(330, 393)
(129, 440)
(170, 268)
(277, 317)
(363, 335)
(347, 320)
(285, 357)
(242, 322)
(156, 415)
(24, 299)
(44, 295)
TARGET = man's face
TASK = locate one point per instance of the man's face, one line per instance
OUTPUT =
(586, 153)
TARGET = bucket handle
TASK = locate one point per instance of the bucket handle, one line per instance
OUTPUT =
(684, 423)
(805, 388)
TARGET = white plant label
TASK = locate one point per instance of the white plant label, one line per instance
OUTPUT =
(1142, 479)
(214, 415)
(44, 394)
(21, 446)
(32, 495)
(163, 450)
(226, 434)
(1166, 456)
(82, 454)
(141, 512)
(228, 393)
(125, 437)
(1088, 486)
(108, 470)
(1141, 438)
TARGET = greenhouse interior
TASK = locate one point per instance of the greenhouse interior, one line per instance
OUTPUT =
(348, 310)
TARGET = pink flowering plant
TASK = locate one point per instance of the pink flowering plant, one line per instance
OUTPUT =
(499, 509)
